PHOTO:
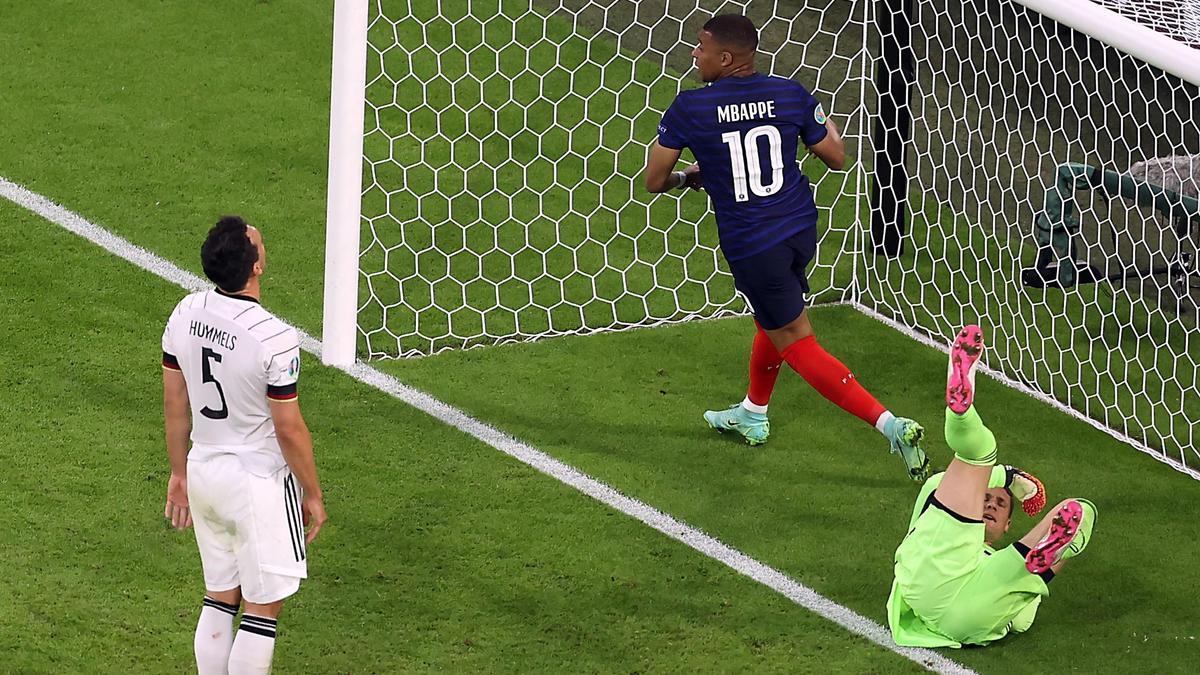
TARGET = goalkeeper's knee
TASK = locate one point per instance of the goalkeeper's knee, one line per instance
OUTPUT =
(971, 441)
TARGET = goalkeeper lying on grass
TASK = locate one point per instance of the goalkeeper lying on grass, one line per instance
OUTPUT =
(951, 587)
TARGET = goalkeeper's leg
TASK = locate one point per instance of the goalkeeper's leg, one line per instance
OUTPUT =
(966, 480)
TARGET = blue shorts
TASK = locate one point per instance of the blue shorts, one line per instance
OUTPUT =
(774, 281)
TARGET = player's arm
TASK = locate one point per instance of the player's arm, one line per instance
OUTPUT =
(295, 442)
(660, 171)
(831, 149)
(178, 421)
(673, 133)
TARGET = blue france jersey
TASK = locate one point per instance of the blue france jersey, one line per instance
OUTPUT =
(745, 133)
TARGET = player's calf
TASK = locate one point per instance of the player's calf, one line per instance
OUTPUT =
(214, 636)
(254, 647)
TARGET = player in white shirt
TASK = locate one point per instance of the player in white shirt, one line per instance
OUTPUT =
(249, 482)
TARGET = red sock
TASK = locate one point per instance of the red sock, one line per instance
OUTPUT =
(764, 368)
(833, 380)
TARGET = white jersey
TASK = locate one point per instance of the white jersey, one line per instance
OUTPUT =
(234, 356)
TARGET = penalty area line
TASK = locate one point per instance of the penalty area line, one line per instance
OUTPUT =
(676, 529)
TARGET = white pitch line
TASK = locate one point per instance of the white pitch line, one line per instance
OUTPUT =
(736, 560)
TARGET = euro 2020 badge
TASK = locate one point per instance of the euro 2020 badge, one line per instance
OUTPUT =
(294, 367)
(819, 114)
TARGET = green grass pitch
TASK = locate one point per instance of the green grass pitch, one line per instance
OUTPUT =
(442, 554)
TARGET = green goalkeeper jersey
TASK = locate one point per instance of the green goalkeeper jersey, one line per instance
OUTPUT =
(997, 479)
(951, 588)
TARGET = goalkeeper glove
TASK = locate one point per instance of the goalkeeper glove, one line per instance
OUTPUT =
(1026, 488)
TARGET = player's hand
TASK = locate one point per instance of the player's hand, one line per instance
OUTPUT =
(177, 510)
(313, 508)
(1026, 488)
(692, 177)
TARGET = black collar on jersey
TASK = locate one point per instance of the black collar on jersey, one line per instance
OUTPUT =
(235, 296)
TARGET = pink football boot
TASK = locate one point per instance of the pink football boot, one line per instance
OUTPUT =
(1064, 539)
(960, 381)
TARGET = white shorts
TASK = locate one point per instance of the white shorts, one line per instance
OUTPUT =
(248, 529)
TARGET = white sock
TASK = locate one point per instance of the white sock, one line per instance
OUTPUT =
(214, 637)
(753, 407)
(882, 422)
(253, 647)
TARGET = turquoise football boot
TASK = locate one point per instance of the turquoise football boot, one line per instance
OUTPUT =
(904, 436)
(753, 427)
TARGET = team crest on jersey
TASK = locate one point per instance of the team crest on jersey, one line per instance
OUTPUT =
(294, 367)
(819, 114)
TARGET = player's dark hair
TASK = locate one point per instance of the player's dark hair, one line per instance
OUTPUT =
(228, 255)
(733, 30)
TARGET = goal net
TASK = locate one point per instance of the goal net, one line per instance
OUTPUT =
(501, 195)
(504, 146)
(1042, 204)
(1178, 19)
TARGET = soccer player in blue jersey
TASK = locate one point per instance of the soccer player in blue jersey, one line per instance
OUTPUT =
(745, 130)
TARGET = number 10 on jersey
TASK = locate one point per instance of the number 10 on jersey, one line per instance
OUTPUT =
(747, 169)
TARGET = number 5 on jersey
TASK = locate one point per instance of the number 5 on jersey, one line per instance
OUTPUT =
(747, 169)
(207, 376)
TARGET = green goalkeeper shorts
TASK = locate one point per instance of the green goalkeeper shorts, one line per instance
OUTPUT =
(946, 576)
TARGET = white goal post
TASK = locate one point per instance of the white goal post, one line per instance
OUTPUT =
(1127, 35)
(339, 326)
(484, 187)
